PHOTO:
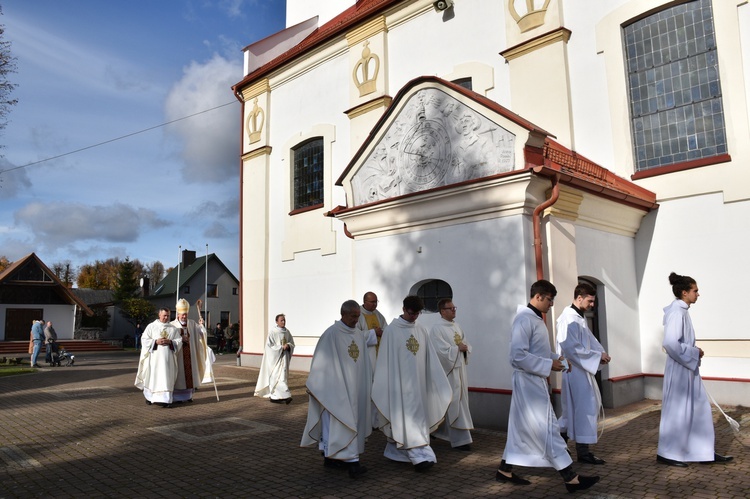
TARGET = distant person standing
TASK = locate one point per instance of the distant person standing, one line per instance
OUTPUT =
(137, 335)
(50, 341)
(191, 360)
(37, 337)
(686, 429)
(274, 368)
(219, 335)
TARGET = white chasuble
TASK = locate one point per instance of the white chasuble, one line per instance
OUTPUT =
(157, 367)
(445, 337)
(339, 383)
(410, 390)
(274, 368)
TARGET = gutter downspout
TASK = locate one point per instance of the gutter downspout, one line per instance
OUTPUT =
(536, 222)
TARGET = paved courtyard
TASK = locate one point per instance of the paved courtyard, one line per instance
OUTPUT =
(85, 431)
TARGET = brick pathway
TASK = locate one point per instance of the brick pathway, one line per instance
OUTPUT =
(85, 431)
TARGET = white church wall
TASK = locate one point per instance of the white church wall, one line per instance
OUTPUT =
(428, 45)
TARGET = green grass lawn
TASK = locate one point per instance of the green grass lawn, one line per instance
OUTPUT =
(11, 370)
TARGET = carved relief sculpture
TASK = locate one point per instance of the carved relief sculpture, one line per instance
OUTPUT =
(366, 82)
(533, 18)
(434, 140)
(254, 122)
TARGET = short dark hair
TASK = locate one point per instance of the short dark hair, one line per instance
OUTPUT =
(680, 283)
(276, 319)
(543, 287)
(165, 309)
(584, 289)
(348, 307)
(442, 302)
(413, 303)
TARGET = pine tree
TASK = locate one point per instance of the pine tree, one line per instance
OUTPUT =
(127, 281)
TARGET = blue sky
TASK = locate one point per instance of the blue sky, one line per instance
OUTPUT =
(90, 71)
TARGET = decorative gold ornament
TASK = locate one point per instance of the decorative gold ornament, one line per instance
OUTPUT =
(533, 18)
(254, 123)
(457, 338)
(412, 345)
(353, 351)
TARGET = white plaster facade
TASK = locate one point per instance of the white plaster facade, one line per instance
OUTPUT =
(566, 77)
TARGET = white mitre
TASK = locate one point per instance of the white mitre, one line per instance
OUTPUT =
(182, 306)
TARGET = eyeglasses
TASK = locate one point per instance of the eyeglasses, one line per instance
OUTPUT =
(450, 308)
(412, 314)
(548, 298)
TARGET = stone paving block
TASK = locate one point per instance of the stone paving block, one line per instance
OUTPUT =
(90, 431)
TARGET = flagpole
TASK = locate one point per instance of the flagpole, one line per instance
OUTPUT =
(205, 315)
(179, 257)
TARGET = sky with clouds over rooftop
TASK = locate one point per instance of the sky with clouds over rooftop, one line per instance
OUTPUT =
(100, 78)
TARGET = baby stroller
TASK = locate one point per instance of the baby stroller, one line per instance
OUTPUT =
(65, 358)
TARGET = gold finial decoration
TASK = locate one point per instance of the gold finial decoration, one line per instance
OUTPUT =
(362, 78)
(412, 345)
(353, 351)
(457, 338)
(533, 18)
(255, 121)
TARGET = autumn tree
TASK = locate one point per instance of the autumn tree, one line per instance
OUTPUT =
(155, 272)
(4, 263)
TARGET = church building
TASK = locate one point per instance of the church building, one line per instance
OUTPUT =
(467, 148)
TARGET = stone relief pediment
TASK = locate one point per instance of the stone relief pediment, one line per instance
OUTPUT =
(434, 140)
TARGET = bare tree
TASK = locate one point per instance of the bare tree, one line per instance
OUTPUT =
(7, 67)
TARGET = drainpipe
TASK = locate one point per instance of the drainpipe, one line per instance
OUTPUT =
(536, 221)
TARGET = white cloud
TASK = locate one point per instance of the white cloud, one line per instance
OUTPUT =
(211, 143)
(59, 223)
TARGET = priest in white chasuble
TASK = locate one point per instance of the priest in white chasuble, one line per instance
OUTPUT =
(453, 351)
(157, 367)
(339, 383)
(371, 322)
(191, 360)
(274, 368)
(410, 389)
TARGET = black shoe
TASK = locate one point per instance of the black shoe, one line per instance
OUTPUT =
(718, 458)
(276, 401)
(356, 469)
(288, 401)
(148, 402)
(670, 462)
(584, 482)
(513, 478)
(465, 447)
(36, 365)
(335, 464)
(190, 400)
(423, 466)
(591, 459)
(166, 406)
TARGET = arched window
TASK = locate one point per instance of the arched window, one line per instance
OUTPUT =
(307, 160)
(676, 108)
(432, 291)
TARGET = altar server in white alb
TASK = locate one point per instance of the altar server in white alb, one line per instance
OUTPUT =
(338, 412)
(581, 399)
(686, 430)
(157, 367)
(453, 351)
(274, 368)
(533, 433)
(410, 389)
(191, 361)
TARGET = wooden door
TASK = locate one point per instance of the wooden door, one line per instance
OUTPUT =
(18, 322)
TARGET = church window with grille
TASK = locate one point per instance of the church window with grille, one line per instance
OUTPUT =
(307, 159)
